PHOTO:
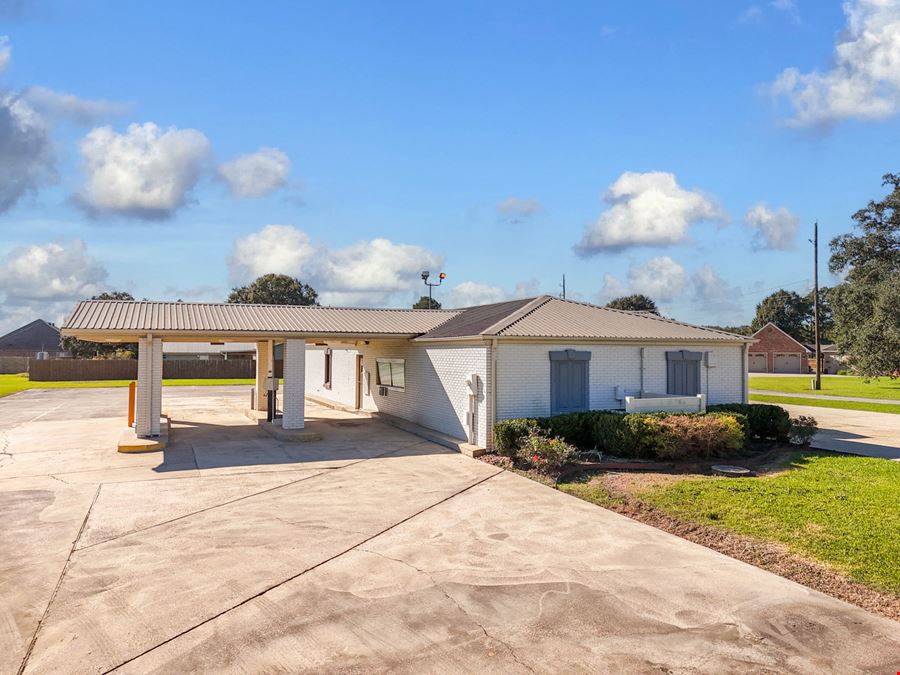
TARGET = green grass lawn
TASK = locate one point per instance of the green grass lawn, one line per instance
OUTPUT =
(10, 384)
(832, 385)
(824, 403)
(843, 511)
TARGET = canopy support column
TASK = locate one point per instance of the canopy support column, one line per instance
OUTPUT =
(293, 401)
(265, 362)
(148, 402)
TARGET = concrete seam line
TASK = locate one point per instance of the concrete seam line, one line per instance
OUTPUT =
(302, 572)
(237, 499)
(59, 581)
(194, 513)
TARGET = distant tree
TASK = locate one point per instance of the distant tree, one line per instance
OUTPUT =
(85, 349)
(788, 310)
(634, 303)
(865, 306)
(826, 318)
(275, 289)
(422, 303)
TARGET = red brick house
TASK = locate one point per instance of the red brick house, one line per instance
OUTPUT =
(776, 352)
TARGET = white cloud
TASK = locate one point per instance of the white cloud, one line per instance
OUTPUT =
(5, 53)
(774, 229)
(515, 210)
(660, 278)
(27, 160)
(864, 81)
(647, 209)
(68, 106)
(713, 294)
(145, 172)
(275, 249)
(45, 280)
(257, 174)
(752, 14)
(368, 273)
(373, 272)
(788, 8)
(471, 293)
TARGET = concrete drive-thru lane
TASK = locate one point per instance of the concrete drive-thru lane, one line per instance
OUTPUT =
(370, 550)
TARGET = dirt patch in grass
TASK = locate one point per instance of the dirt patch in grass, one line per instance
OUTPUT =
(617, 492)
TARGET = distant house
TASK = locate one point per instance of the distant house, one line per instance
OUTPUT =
(774, 351)
(32, 339)
(833, 359)
(208, 351)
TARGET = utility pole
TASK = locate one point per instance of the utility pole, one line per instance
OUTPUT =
(564, 287)
(818, 382)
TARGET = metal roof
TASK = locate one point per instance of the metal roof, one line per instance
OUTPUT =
(549, 317)
(540, 317)
(121, 317)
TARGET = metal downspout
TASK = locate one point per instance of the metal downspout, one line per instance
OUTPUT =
(489, 441)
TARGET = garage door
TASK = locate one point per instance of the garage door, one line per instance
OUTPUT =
(759, 363)
(788, 363)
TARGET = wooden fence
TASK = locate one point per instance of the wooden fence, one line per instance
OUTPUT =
(126, 369)
(10, 365)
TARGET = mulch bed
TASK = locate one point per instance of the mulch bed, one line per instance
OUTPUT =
(766, 555)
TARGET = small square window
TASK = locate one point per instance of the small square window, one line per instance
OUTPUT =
(391, 373)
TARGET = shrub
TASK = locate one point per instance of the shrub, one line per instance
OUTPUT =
(803, 429)
(690, 436)
(843, 371)
(574, 428)
(766, 422)
(509, 433)
(545, 453)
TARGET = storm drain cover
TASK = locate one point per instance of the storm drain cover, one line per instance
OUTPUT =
(730, 470)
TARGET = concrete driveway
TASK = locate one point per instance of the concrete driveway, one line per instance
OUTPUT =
(858, 432)
(370, 550)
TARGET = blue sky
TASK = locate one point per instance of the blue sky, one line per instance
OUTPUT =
(661, 147)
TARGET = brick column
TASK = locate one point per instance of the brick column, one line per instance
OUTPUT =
(264, 361)
(148, 401)
(293, 403)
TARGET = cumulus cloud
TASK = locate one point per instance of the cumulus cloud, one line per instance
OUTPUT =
(58, 105)
(5, 53)
(256, 174)
(660, 278)
(713, 293)
(647, 209)
(367, 273)
(146, 172)
(275, 249)
(45, 280)
(864, 80)
(774, 229)
(27, 159)
(516, 210)
(471, 293)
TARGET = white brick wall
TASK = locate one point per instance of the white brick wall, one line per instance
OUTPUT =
(435, 396)
(523, 374)
(343, 374)
(148, 398)
(293, 404)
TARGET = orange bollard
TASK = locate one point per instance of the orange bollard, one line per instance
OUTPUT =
(132, 387)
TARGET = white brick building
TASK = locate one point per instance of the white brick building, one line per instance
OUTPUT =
(453, 371)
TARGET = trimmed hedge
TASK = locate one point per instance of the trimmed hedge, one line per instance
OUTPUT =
(765, 422)
(644, 435)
